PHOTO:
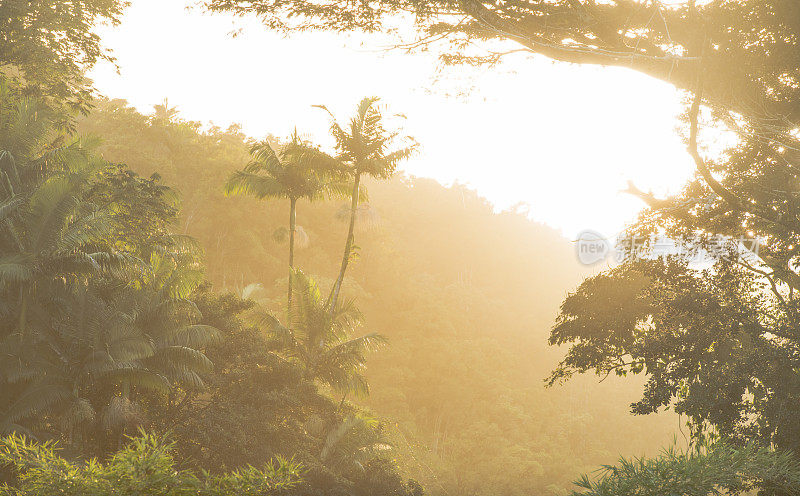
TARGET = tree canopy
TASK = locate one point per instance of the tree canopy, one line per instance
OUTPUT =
(745, 49)
(717, 343)
(460, 383)
(123, 307)
(49, 46)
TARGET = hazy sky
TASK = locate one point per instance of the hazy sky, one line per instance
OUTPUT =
(563, 139)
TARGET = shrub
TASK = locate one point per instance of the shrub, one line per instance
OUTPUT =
(144, 467)
(719, 469)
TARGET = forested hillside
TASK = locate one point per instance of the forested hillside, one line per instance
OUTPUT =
(187, 310)
(466, 297)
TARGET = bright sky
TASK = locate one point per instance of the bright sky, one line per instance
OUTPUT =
(563, 139)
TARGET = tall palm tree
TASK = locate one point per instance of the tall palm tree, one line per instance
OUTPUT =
(297, 171)
(365, 148)
(321, 341)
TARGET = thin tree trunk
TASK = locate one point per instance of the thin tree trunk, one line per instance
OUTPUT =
(348, 246)
(292, 227)
(23, 312)
(126, 394)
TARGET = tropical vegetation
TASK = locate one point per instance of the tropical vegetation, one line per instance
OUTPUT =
(153, 340)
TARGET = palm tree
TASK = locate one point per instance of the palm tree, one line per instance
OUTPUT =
(73, 330)
(75, 333)
(164, 112)
(166, 315)
(51, 238)
(100, 338)
(77, 367)
(351, 443)
(321, 341)
(364, 149)
(25, 141)
(51, 246)
(298, 171)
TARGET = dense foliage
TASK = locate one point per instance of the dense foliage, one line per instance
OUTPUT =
(462, 374)
(144, 466)
(93, 311)
(126, 304)
(721, 469)
(49, 46)
(718, 343)
(108, 327)
(259, 406)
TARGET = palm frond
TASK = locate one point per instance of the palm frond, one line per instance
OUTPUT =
(264, 156)
(280, 337)
(183, 357)
(51, 206)
(91, 228)
(336, 130)
(143, 378)
(252, 184)
(15, 268)
(192, 336)
(9, 206)
(119, 265)
(37, 399)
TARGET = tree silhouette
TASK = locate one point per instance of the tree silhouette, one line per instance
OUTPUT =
(298, 171)
(365, 148)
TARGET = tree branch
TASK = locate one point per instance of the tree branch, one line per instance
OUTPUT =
(674, 69)
(649, 198)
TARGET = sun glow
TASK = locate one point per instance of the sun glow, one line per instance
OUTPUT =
(559, 138)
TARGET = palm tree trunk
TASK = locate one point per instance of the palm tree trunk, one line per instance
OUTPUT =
(23, 312)
(348, 246)
(292, 227)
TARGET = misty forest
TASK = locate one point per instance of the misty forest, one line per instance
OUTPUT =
(187, 308)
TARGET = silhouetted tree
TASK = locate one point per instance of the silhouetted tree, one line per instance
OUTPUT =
(298, 171)
(365, 148)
